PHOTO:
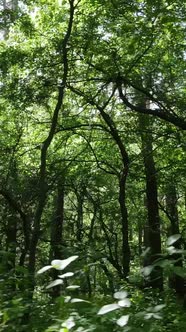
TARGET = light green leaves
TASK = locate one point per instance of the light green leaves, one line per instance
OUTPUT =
(147, 270)
(62, 264)
(120, 295)
(66, 275)
(154, 312)
(172, 239)
(55, 283)
(107, 308)
(123, 320)
(123, 301)
(71, 287)
(59, 265)
(69, 323)
(43, 269)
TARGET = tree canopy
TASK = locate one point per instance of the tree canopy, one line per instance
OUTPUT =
(92, 113)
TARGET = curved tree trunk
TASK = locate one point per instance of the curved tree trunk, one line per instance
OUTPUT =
(43, 188)
(122, 193)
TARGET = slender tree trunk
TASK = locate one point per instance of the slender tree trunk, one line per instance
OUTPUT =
(122, 179)
(156, 278)
(42, 196)
(140, 238)
(42, 182)
(92, 224)
(109, 276)
(80, 201)
(56, 241)
(11, 240)
(57, 225)
(124, 225)
(175, 281)
(113, 259)
(122, 193)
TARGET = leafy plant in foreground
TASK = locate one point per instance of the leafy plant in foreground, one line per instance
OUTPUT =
(110, 317)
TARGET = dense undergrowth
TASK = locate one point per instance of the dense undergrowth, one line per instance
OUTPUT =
(130, 308)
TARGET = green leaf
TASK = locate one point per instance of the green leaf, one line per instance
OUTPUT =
(66, 275)
(159, 307)
(120, 295)
(107, 308)
(172, 239)
(163, 262)
(171, 250)
(45, 268)
(62, 264)
(147, 270)
(76, 300)
(69, 323)
(123, 320)
(124, 303)
(180, 271)
(55, 283)
(72, 287)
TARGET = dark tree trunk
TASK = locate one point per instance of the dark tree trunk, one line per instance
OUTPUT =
(175, 281)
(42, 184)
(109, 276)
(57, 225)
(112, 257)
(124, 225)
(11, 240)
(154, 237)
(79, 222)
(56, 242)
(113, 131)
(140, 238)
(122, 193)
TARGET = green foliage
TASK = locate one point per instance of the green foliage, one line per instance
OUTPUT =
(75, 78)
(139, 312)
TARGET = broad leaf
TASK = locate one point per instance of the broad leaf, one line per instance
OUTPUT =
(72, 287)
(120, 295)
(159, 307)
(172, 250)
(69, 323)
(45, 268)
(66, 275)
(124, 303)
(62, 264)
(145, 252)
(172, 239)
(55, 283)
(75, 300)
(147, 270)
(67, 299)
(107, 308)
(123, 320)
(180, 271)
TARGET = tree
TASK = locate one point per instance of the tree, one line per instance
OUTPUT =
(84, 139)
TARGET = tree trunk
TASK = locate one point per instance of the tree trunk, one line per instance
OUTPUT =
(175, 281)
(79, 222)
(42, 185)
(122, 193)
(124, 225)
(57, 225)
(156, 278)
(57, 233)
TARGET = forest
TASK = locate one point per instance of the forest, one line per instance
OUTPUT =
(93, 153)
